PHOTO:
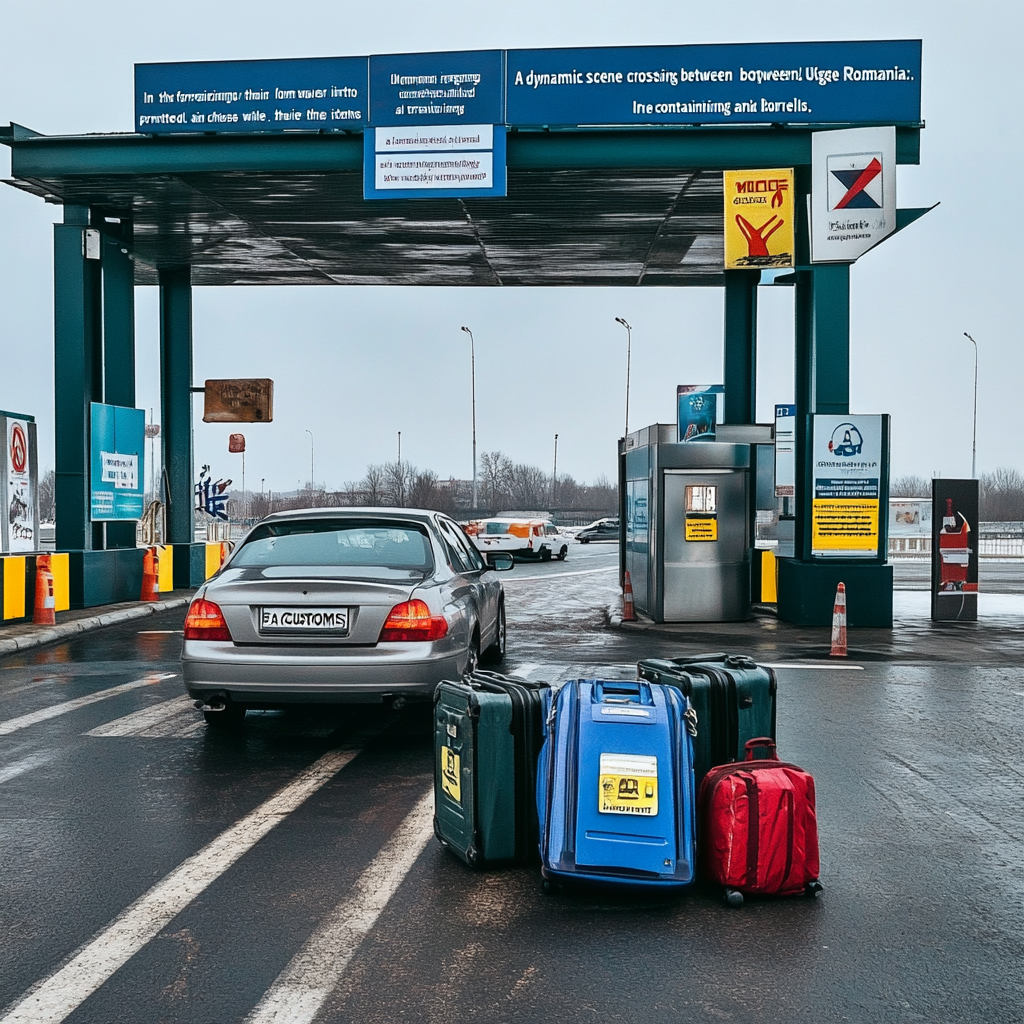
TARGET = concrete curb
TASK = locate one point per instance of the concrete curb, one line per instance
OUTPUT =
(63, 630)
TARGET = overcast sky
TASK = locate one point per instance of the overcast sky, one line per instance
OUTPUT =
(357, 365)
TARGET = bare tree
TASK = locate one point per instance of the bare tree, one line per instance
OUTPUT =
(495, 478)
(398, 477)
(48, 497)
(528, 486)
(910, 487)
(1001, 496)
(372, 485)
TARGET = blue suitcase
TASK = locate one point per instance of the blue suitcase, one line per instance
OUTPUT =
(615, 787)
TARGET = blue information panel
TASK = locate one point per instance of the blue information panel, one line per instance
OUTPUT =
(437, 88)
(117, 461)
(307, 94)
(792, 83)
(434, 162)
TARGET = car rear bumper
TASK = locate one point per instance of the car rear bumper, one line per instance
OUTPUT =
(279, 675)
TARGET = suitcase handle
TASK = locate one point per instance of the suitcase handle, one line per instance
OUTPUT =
(761, 741)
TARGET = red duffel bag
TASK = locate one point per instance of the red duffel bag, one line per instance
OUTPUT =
(758, 828)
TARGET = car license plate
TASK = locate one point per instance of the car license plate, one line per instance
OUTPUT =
(304, 620)
(628, 785)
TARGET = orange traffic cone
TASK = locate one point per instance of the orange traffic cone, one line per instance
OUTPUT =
(628, 611)
(44, 612)
(150, 578)
(839, 623)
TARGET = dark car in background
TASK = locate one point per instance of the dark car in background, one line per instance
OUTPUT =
(601, 529)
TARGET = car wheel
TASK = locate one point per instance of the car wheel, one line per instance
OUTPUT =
(545, 554)
(495, 654)
(231, 719)
(584, 540)
(563, 553)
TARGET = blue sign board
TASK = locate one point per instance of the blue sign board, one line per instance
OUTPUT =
(464, 87)
(117, 460)
(866, 82)
(442, 162)
(307, 94)
(748, 83)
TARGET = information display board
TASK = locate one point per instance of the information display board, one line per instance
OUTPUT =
(785, 451)
(309, 94)
(847, 468)
(697, 410)
(462, 87)
(117, 460)
(741, 83)
(845, 82)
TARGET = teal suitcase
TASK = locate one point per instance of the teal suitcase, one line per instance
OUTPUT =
(734, 699)
(488, 733)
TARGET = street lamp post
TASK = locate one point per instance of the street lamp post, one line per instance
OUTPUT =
(310, 432)
(554, 472)
(472, 365)
(629, 351)
(974, 443)
(399, 449)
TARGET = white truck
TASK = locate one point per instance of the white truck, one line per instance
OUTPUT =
(522, 538)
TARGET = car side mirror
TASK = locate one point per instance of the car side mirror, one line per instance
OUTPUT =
(500, 561)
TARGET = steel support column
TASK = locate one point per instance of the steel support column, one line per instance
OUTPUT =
(77, 337)
(118, 342)
(741, 346)
(176, 399)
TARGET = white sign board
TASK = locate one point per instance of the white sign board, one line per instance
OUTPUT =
(120, 470)
(439, 157)
(853, 192)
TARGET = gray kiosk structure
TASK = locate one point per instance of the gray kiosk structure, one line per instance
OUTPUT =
(603, 188)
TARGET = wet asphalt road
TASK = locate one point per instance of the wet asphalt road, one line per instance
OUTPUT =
(919, 788)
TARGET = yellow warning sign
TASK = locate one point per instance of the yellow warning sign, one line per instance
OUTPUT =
(759, 219)
(705, 528)
(844, 524)
(628, 784)
(450, 775)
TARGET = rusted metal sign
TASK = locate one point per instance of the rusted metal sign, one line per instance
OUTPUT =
(241, 400)
(236, 443)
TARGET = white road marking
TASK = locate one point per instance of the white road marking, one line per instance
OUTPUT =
(825, 666)
(559, 575)
(26, 764)
(176, 718)
(302, 988)
(14, 724)
(58, 995)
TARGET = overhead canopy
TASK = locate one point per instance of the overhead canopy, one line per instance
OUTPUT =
(608, 207)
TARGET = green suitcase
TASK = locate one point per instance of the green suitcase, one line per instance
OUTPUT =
(487, 734)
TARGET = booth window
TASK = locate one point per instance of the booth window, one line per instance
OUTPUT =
(702, 498)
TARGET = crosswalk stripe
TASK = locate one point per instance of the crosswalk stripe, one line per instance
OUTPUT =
(24, 721)
(26, 764)
(176, 717)
(302, 988)
(55, 997)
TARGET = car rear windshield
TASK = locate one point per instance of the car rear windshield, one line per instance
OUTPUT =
(501, 528)
(338, 542)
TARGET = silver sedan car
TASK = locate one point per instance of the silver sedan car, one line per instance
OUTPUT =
(342, 605)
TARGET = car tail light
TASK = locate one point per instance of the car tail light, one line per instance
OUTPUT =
(411, 620)
(205, 621)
